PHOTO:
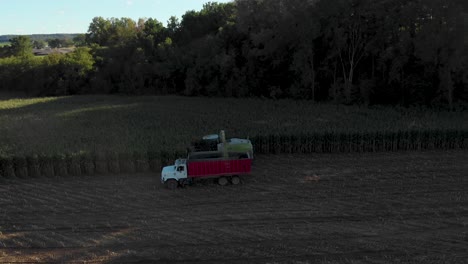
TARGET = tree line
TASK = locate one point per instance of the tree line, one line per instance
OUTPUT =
(41, 41)
(346, 51)
(43, 37)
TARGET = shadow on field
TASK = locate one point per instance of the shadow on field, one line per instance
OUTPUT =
(61, 105)
(12, 95)
(66, 124)
(86, 135)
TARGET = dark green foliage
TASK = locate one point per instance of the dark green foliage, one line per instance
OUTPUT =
(21, 46)
(361, 142)
(7, 169)
(39, 44)
(345, 51)
(39, 37)
(60, 166)
(74, 165)
(99, 31)
(166, 158)
(33, 165)
(46, 166)
(21, 167)
(113, 163)
(126, 163)
(79, 40)
(100, 162)
(141, 162)
(55, 74)
(155, 161)
(60, 43)
(87, 165)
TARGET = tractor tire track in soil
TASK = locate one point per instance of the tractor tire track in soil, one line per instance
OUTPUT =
(325, 208)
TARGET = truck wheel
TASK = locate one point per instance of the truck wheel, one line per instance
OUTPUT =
(235, 180)
(222, 181)
(172, 184)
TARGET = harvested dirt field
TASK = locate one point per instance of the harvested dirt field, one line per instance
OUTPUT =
(405, 207)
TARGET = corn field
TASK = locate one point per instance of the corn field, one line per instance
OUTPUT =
(89, 135)
(361, 142)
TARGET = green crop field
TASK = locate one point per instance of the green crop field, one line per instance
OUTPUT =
(100, 134)
(4, 44)
(127, 124)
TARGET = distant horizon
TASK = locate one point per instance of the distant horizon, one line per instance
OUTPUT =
(59, 33)
(73, 17)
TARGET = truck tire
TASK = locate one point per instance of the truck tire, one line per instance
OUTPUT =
(235, 180)
(171, 184)
(222, 181)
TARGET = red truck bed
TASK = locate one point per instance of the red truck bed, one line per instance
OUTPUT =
(213, 168)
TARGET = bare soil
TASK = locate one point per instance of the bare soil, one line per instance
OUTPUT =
(404, 207)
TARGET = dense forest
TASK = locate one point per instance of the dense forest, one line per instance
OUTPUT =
(399, 52)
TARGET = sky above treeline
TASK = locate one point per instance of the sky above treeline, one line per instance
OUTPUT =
(25, 17)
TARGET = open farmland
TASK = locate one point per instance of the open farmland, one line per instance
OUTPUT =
(90, 124)
(406, 207)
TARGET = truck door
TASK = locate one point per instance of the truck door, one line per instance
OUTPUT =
(181, 172)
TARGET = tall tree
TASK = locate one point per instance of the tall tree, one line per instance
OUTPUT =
(99, 31)
(173, 26)
(439, 43)
(351, 31)
(39, 44)
(80, 40)
(123, 31)
(21, 46)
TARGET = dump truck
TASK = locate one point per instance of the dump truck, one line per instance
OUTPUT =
(203, 165)
(225, 166)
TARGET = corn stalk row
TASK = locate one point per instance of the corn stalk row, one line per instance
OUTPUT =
(102, 163)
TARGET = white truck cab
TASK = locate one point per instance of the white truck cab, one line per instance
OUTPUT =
(176, 172)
